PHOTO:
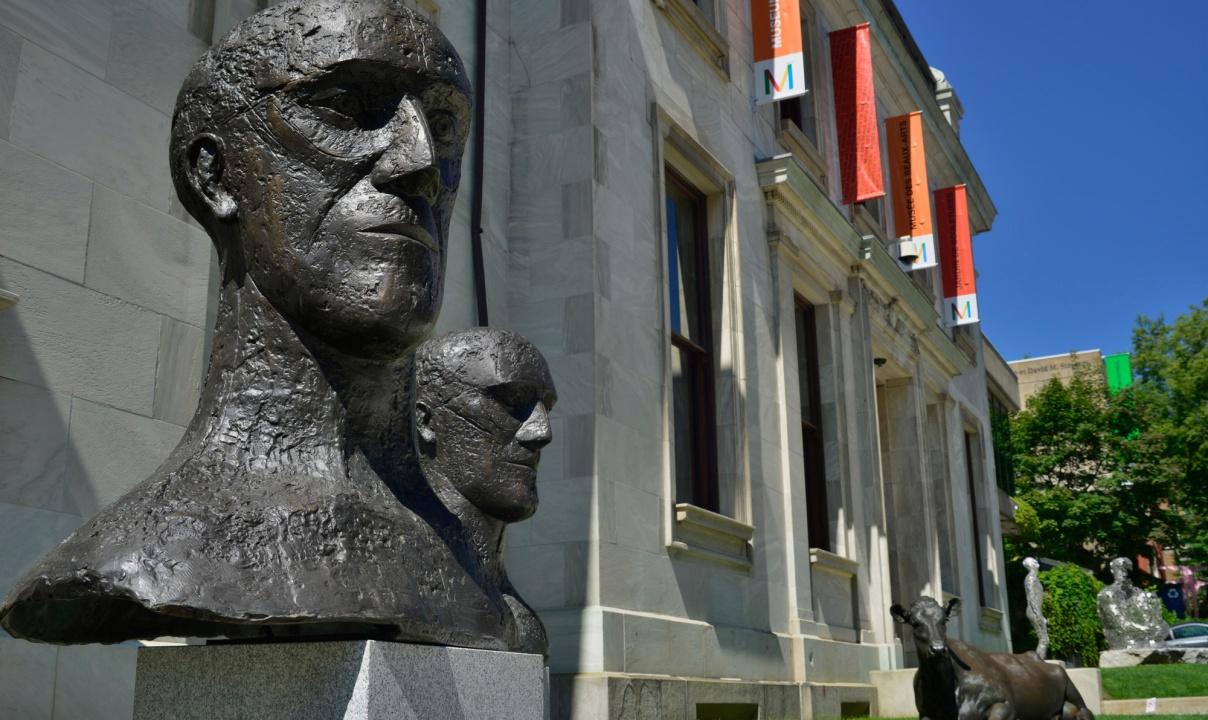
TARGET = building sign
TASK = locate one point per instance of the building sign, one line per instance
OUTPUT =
(779, 54)
(908, 180)
(956, 253)
(856, 114)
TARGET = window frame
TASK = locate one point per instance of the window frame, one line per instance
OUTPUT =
(703, 410)
(810, 47)
(972, 440)
(813, 443)
(706, 35)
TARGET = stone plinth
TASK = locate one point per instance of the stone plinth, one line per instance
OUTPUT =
(1090, 686)
(1153, 656)
(354, 680)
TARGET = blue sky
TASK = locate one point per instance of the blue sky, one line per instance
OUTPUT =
(1088, 123)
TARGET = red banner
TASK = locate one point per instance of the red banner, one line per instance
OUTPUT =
(956, 256)
(856, 114)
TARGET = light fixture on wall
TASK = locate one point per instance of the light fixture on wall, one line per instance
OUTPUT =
(880, 362)
(908, 250)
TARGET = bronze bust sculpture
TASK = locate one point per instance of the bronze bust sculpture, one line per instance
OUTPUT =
(319, 144)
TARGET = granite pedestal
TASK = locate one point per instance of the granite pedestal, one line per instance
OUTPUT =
(353, 680)
(1153, 656)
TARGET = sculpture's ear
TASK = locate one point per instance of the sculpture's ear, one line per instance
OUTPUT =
(423, 423)
(205, 169)
(952, 608)
(898, 612)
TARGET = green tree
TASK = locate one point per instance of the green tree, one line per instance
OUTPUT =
(1171, 364)
(1092, 467)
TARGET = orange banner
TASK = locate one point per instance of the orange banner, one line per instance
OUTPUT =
(908, 181)
(856, 114)
(956, 256)
(779, 57)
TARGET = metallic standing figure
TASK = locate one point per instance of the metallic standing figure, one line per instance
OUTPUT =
(1035, 593)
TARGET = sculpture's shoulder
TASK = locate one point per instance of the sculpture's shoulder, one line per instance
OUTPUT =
(528, 634)
(249, 554)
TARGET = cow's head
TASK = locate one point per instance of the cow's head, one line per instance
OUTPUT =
(929, 622)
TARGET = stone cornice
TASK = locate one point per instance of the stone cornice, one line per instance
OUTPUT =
(799, 210)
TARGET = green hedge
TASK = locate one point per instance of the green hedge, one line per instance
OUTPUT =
(1070, 607)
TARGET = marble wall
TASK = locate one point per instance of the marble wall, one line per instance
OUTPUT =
(101, 359)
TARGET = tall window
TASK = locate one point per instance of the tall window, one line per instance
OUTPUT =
(811, 426)
(803, 110)
(971, 444)
(692, 394)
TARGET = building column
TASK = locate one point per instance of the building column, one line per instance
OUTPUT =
(913, 550)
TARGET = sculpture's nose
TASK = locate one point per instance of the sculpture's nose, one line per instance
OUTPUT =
(535, 433)
(408, 166)
(939, 649)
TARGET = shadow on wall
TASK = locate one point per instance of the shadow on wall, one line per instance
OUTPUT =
(45, 493)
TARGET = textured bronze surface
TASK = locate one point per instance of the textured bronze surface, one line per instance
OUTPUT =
(956, 681)
(319, 144)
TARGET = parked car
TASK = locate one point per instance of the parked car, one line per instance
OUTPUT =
(1192, 634)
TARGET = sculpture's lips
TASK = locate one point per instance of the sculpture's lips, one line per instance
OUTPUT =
(406, 230)
(528, 462)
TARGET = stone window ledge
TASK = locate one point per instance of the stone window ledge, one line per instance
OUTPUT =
(702, 35)
(794, 141)
(705, 535)
(990, 620)
(832, 563)
(7, 299)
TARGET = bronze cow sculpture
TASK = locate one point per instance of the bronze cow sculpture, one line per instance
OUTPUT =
(956, 681)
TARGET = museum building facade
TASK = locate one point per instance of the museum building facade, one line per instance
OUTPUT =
(764, 435)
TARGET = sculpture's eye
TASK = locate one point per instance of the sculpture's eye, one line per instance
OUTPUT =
(443, 126)
(518, 399)
(352, 108)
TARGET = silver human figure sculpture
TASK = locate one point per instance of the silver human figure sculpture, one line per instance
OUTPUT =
(1035, 612)
(1131, 617)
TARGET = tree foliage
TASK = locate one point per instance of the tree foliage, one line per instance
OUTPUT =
(1071, 610)
(1106, 474)
(1171, 364)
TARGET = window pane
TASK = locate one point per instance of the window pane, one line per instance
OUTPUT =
(802, 110)
(809, 111)
(683, 244)
(681, 411)
(806, 370)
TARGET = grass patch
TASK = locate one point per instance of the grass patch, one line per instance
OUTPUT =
(1146, 681)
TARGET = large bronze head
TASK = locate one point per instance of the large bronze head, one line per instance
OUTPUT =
(320, 146)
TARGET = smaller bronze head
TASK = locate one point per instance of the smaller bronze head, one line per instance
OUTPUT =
(483, 398)
(319, 144)
(928, 621)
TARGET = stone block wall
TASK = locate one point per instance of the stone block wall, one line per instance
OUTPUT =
(101, 359)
